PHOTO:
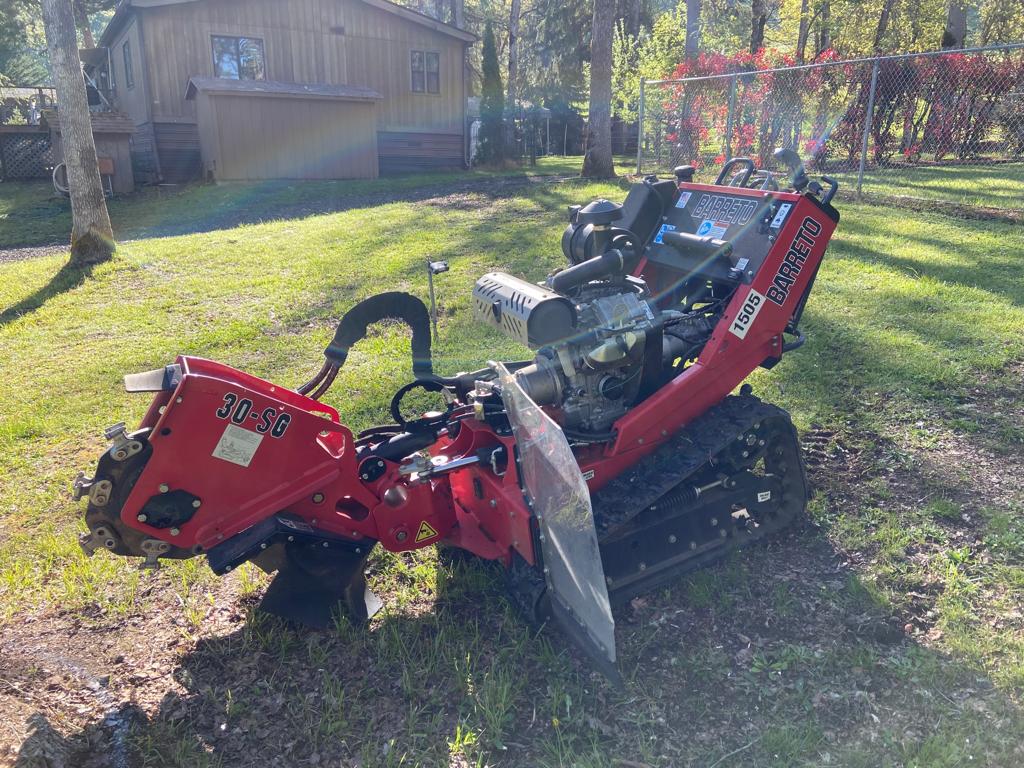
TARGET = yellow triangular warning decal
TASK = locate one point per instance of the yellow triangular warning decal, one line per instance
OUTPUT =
(425, 532)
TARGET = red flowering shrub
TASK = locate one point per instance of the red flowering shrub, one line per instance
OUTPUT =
(941, 106)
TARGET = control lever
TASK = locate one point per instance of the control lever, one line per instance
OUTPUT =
(791, 160)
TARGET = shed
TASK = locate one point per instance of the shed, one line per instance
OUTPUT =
(260, 129)
(112, 132)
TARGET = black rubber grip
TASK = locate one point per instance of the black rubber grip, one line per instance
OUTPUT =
(692, 245)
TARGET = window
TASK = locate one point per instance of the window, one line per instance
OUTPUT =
(426, 72)
(238, 58)
(129, 77)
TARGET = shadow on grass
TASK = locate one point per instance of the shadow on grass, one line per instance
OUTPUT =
(67, 278)
(782, 652)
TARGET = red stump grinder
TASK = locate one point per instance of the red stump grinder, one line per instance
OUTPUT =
(611, 462)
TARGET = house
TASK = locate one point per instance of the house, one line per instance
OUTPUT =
(259, 89)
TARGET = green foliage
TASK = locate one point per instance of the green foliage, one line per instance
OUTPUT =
(492, 102)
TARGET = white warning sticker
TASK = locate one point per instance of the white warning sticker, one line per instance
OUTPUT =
(763, 496)
(664, 228)
(237, 445)
(684, 198)
(712, 228)
(747, 314)
(780, 217)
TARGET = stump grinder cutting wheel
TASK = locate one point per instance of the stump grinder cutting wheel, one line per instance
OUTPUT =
(611, 462)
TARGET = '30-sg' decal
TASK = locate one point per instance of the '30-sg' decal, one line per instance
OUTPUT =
(268, 421)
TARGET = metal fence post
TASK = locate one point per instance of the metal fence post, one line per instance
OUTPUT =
(640, 130)
(729, 118)
(868, 116)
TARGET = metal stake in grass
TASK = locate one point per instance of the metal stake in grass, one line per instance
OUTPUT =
(434, 268)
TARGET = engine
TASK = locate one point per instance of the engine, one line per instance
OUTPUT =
(602, 341)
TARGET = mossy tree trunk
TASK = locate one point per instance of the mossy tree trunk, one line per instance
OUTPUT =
(92, 239)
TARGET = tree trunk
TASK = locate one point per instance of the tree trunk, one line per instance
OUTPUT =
(513, 54)
(758, 18)
(693, 9)
(597, 162)
(82, 20)
(801, 38)
(883, 24)
(955, 35)
(92, 240)
(824, 27)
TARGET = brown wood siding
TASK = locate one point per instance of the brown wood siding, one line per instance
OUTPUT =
(108, 145)
(408, 152)
(177, 146)
(247, 137)
(132, 101)
(368, 47)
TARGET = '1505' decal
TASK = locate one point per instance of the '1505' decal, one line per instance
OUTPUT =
(268, 421)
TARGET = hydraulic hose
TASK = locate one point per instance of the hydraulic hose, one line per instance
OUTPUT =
(352, 328)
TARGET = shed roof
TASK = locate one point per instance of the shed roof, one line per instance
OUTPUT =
(125, 7)
(102, 122)
(274, 88)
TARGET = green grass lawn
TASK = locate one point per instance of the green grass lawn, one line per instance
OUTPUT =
(888, 632)
(998, 186)
(30, 213)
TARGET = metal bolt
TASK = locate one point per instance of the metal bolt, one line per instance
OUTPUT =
(164, 488)
(178, 400)
(541, 537)
(120, 454)
(640, 441)
(672, 539)
(401, 535)
(723, 533)
(761, 443)
(291, 538)
(263, 545)
(494, 502)
(142, 518)
(326, 545)
(546, 570)
(359, 550)
(174, 531)
(196, 503)
(643, 566)
(664, 433)
(317, 498)
(714, 521)
(227, 569)
(220, 537)
(746, 454)
(313, 521)
(693, 545)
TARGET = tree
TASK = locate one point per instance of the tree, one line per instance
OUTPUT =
(492, 102)
(597, 163)
(92, 239)
(803, 31)
(693, 8)
(758, 19)
(955, 34)
(513, 53)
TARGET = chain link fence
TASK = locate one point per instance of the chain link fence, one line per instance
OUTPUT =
(944, 126)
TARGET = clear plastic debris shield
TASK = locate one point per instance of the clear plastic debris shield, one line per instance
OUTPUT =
(555, 487)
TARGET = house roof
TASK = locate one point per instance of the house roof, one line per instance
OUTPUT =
(102, 122)
(125, 7)
(274, 88)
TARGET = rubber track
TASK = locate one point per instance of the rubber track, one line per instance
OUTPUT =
(687, 452)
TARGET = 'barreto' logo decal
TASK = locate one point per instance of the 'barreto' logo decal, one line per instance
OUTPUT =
(731, 210)
(789, 269)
